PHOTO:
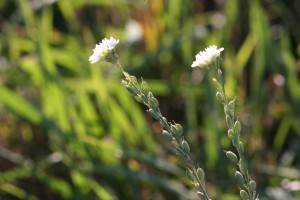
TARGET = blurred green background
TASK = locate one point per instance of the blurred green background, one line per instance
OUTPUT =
(69, 129)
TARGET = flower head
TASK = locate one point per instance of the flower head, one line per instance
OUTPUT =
(104, 51)
(207, 57)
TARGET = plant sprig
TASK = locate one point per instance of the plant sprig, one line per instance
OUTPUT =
(234, 133)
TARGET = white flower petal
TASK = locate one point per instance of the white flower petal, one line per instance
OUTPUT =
(207, 57)
(102, 49)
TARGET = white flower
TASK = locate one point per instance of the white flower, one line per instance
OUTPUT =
(207, 57)
(102, 50)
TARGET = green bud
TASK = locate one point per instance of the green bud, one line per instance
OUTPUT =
(235, 142)
(150, 95)
(154, 114)
(200, 173)
(189, 174)
(237, 127)
(220, 97)
(179, 152)
(230, 133)
(167, 135)
(177, 129)
(232, 157)
(138, 98)
(231, 106)
(244, 195)
(252, 185)
(124, 82)
(239, 177)
(145, 87)
(132, 79)
(241, 147)
(197, 186)
(243, 166)
(201, 195)
(185, 146)
(216, 83)
(229, 121)
(163, 122)
(131, 89)
(153, 102)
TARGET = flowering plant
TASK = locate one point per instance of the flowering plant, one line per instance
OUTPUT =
(173, 132)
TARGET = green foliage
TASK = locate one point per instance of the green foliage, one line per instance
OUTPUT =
(70, 130)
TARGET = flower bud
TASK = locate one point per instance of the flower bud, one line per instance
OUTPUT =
(153, 102)
(167, 135)
(150, 95)
(177, 129)
(132, 79)
(244, 195)
(235, 142)
(252, 185)
(189, 174)
(229, 121)
(145, 87)
(163, 122)
(230, 133)
(243, 166)
(231, 106)
(232, 157)
(131, 89)
(241, 147)
(220, 97)
(216, 83)
(154, 114)
(200, 194)
(138, 98)
(185, 146)
(239, 177)
(200, 173)
(237, 127)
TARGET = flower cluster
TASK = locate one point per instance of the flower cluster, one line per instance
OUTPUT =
(104, 51)
(207, 57)
(173, 132)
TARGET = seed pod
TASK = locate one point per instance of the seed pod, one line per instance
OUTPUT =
(239, 177)
(189, 174)
(145, 87)
(185, 146)
(232, 157)
(237, 127)
(244, 195)
(220, 97)
(243, 166)
(241, 147)
(167, 135)
(252, 185)
(200, 173)
(153, 102)
(229, 121)
(154, 114)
